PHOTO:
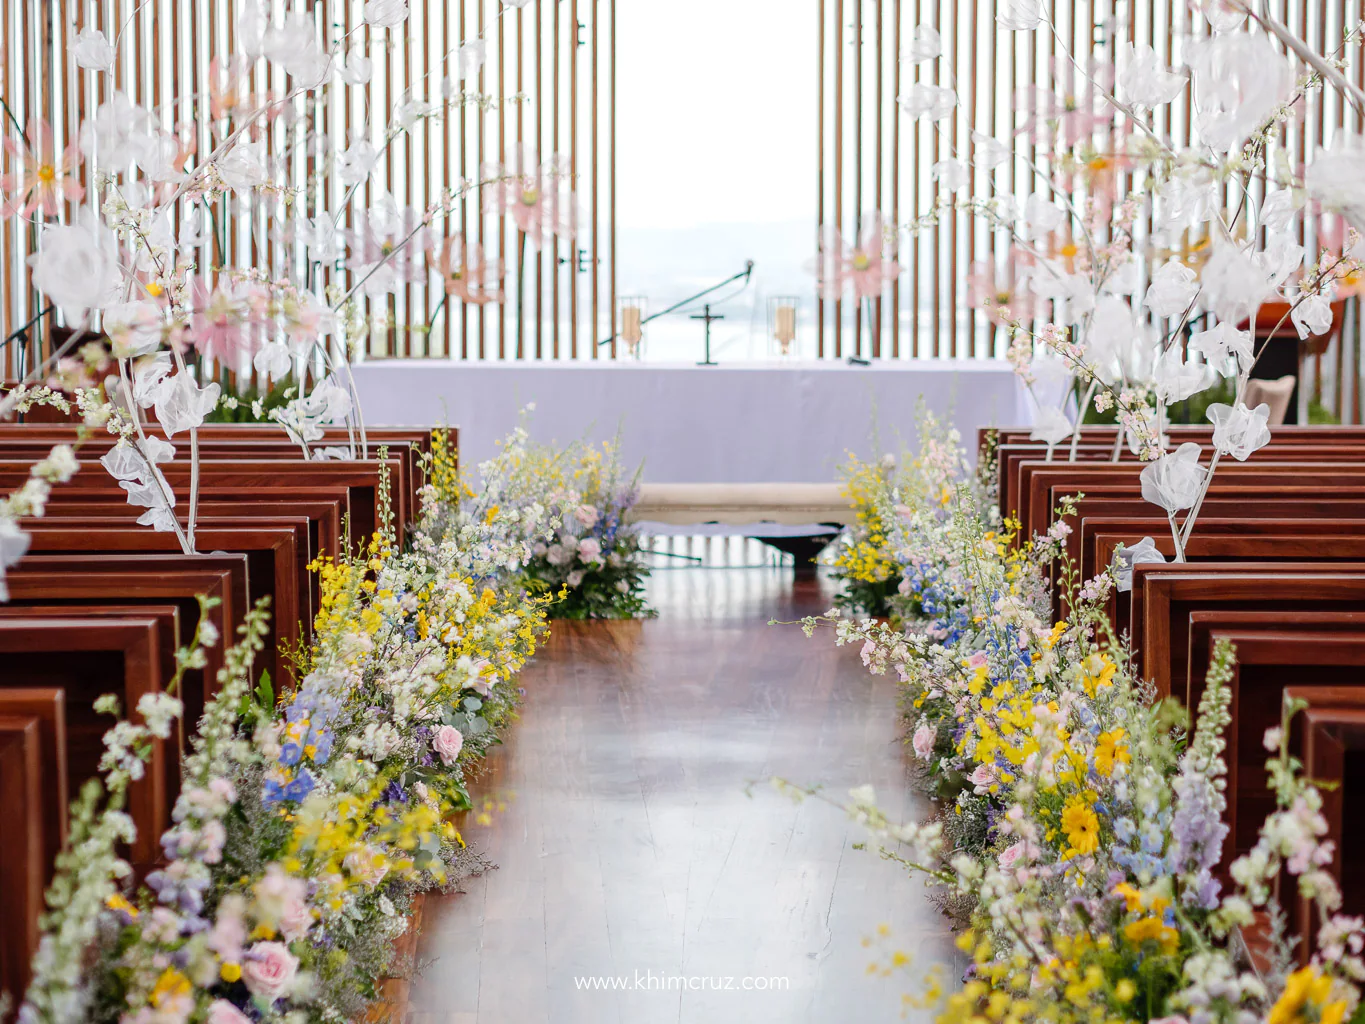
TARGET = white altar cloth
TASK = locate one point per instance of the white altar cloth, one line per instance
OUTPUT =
(733, 423)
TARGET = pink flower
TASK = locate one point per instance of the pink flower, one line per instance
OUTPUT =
(587, 515)
(589, 550)
(533, 198)
(218, 325)
(1074, 111)
(447, 743)
(295, 919)
(223, 1012)
(868, 266)
(977, 660)
(42, 181)
(924, 740)
(992, 292)
(468, 274)
(270, 970)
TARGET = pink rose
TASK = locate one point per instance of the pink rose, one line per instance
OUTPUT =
(589, 549)
(223, 1012)
(977, 660)
(1011, 855)
(984, 775)
(269, 970)
(587, 515)
(295, 920)
(923, 742)
(447, 743)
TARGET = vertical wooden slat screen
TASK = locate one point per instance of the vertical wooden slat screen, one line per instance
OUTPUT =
(927, 313)
(530, 98)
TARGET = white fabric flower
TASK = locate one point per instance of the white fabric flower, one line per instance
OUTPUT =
(1188, 200)
(1174, 479)
(1239, 81)
(1176, 380)
(149, 376)
(386, 13)
(1280, 208)
(251, 28)
(1020, 15)
(1221, 15)
(181, 404)
(1335, 180)
(243, 168)
(1223, 341)
(134, 328)
(355, 163)
(1172, 290)
(93, 51)
(358, 68)
(74, 269)
(1144, 552)
(118, 132)
(951, 174)
(1042, 215)
(1235, 283)
(1145, 80)
(1051, 425)
(14, 544)
(1239, 431)
(273, 360)
(472, 56)
(990, 152)
(932, 101)
(925, 44)
(1312, 315)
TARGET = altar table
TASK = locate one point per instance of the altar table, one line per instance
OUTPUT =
(733, 423)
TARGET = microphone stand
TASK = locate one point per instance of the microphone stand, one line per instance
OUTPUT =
(746, 273)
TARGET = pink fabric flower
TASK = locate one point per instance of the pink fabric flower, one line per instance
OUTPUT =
(43, 180)
(534, 197)
(1071, 112)
(869, 266)
(270, 970)
(994, 292)
(468, 274)
(447, 743)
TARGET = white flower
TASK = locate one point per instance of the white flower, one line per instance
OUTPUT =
(1239, 82)
(1173, 480)
(990, 153)
(243, 168)
(1218, 344)
(274, 360)
(358, 68)
(932, 101)
(1176, 380)
(1188, 200)
(472, 56)
(1281, 207)
(1172, 290)
(251, 27)
(93, 51)
(74, 269)
(1050, 425)
(1221, 15)
(386, 13)
(324, 242)
(1312, 315)
(1042, 215)
(293, 44)
(60, 465)
(1335, 180)
(14, 544)
(159, 710)
(149, 376)
(134, 328)
(863, 796)
(1235, 283)
(356, 163)
(1144, 552)
(181, 404)
(1020, 15)
(951, 174)
(1145, 80)
(1239, 431)
(118, 132)
(925, 44)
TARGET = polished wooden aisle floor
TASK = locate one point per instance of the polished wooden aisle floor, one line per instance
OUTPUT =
(629, 850)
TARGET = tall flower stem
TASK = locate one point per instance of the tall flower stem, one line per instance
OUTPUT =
(1080, 417)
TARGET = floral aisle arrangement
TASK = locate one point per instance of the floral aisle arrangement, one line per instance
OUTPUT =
(307, 820)
(592, 560)
(900, 502)
(1080, 819)
(1132, 278)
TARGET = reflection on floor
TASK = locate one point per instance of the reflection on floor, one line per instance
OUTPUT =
(636, 881)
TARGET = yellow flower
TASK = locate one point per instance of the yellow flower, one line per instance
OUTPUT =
(1153, 928)
(230, 971)
(1110, 750)
(1095, 671)
(117, 902)
(1131, 897)
(1081, 826)
(170, 985)
(1305, 999)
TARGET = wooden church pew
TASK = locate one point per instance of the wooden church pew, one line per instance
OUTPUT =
(22, 869)
(86, 658)
(47, 705)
